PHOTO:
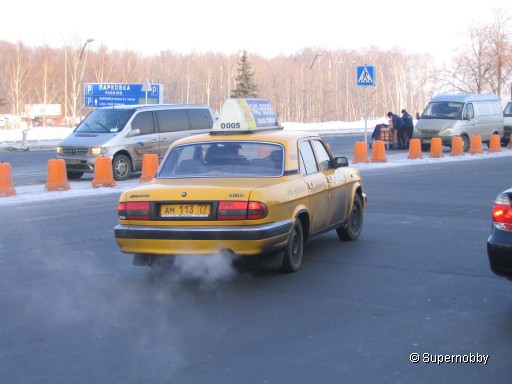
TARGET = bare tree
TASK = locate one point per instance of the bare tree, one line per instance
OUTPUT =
(311, 85)
(18, 75)
(500, 47)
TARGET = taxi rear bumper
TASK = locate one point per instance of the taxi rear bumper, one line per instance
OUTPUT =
(259, 232)
(242, 240)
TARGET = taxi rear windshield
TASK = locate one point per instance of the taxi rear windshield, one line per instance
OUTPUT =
(223, 159)
(105, 121)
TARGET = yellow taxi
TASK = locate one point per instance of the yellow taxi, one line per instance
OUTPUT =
(248, 188)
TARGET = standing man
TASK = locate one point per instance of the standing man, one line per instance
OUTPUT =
(408, 125)
(398, 125)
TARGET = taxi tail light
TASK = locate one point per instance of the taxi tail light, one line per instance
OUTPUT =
(241, 210)
(502, 213)
(134, 210)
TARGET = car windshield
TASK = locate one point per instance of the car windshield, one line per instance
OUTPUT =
(223, 159)
(443, 110)
(105, 121)
(508, 110)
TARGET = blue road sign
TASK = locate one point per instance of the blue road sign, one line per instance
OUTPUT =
(109, 94)
(365, 75)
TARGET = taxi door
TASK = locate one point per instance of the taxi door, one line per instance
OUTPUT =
(338, 187)
(317, 185)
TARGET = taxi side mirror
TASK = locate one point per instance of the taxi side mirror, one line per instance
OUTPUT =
(341, 161)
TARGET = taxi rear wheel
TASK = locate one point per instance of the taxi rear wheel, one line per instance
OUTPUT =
(292, 254)
(352, 229)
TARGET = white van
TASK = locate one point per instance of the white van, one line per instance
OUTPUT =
(126, 133)
(463, 115)
(507, 123)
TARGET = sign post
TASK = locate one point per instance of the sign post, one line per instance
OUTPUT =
(146, 88)
(365, 78)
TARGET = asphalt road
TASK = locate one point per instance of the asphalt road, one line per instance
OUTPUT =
(31, 168)
(74, 309)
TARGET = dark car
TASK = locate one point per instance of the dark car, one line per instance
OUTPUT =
(499, 244)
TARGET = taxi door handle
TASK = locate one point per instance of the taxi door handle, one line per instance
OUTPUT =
(329, 179)
(311, 185)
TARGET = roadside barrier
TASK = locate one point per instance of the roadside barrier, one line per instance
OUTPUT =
(457, 146)
(495, 143)
(57, 176)
(6, 187)
(475, 146)
(149, 166)
(378, 152)
(415, 149)
(360, 152)
(103, 174)
(436, 147)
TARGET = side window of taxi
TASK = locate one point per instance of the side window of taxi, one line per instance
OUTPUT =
(308, 163)
(323, 156)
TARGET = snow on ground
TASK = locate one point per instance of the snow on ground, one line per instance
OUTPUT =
(51, 136)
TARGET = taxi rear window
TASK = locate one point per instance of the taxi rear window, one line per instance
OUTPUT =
(223, 159)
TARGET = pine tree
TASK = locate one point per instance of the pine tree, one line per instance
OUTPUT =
(245, 86)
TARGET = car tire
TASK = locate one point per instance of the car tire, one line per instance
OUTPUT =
(352, 229)
(294, 251)
(74, 175)
(466, 143)
(122, 167)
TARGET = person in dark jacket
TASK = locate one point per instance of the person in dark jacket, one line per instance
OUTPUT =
(408, 125)
(398, 125)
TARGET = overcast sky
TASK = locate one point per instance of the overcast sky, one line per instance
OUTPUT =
(266, 27)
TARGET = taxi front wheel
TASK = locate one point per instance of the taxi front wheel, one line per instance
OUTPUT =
(352, 229)
(292, 254)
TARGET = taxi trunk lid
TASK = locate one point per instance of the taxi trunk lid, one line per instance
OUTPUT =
(201, 189)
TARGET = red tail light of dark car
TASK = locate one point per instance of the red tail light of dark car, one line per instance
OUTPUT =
(502, 213)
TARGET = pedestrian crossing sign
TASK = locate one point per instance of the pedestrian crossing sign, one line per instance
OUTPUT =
(365, 75)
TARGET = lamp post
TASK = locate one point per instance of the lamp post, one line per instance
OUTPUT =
(80, 58)
(309, 85)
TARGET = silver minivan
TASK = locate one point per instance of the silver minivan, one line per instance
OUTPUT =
(507, 123)
(126, 133)
(463, 115)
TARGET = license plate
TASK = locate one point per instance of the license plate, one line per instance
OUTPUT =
(185, 210)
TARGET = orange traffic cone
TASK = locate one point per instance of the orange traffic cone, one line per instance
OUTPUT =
(6, 187)
(103, 174)
(495, 143)
(378, 152)
(457, 146)
(149, 166)
(415, 149)
(475, 146)
(360, 152)
(57, 176)
(436, 147)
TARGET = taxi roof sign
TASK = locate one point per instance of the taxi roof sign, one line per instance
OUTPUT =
(245, 115)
